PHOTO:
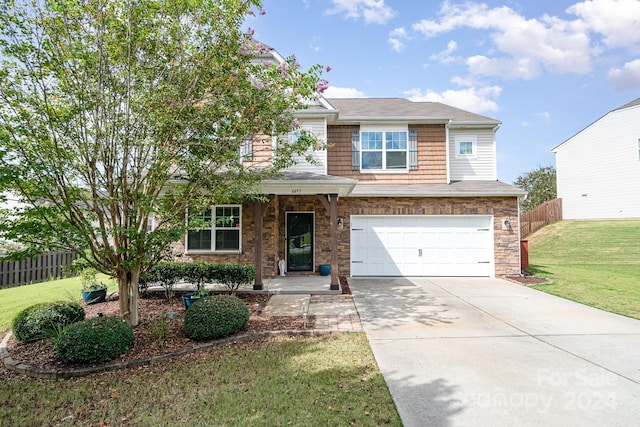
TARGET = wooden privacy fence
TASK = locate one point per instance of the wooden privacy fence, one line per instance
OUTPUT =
(33, 270)
(536, 218)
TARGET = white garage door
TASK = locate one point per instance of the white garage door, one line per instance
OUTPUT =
(422, 245)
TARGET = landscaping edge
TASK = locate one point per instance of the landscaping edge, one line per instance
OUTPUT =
(53, 374)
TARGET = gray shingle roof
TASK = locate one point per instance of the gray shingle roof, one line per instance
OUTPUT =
(400, 108)
(455, 189)
(628, 104)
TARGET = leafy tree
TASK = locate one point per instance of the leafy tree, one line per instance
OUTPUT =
(540, 185)
(113, 111)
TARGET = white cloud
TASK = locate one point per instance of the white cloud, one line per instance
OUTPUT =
(445, 56)
(617, 21)
(343, 92)
(397, 37)
(477, 100)
(373, 11)
(523, 46)
(627, 77)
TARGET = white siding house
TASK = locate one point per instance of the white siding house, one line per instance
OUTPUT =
(598, 169)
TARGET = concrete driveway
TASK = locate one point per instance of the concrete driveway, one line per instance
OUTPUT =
(488, 352)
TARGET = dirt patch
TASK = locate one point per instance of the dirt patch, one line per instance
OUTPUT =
(152, 310)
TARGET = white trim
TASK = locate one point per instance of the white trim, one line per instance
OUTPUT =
(446, 130)
(384, 129)
(473, 139)
(213, 233)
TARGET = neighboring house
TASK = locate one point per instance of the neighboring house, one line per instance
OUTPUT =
(398, 188)
(598, 169)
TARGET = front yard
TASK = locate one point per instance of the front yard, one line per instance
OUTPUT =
(331, 380)
(592, 262)
(281, 381)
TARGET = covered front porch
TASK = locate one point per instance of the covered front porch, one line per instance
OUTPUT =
(283, 285)
(291, 203)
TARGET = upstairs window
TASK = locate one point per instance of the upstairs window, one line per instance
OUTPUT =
(216, 230)
(466, 146)
(384, 150)
(246, 150)
(379, 149)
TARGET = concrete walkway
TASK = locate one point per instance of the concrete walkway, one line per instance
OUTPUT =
(488, 352)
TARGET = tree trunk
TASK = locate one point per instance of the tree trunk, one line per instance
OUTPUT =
(128, 296)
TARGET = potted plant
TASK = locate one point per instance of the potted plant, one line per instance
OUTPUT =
(191, 297)
(92, 290)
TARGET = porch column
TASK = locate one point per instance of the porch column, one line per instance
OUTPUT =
(258, 208)
(330, 202)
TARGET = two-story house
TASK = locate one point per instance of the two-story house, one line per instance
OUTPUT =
(399, 188)
(598, 169)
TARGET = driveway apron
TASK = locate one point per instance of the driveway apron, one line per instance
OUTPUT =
(488, 352)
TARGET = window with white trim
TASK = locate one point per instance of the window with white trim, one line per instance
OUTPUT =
(246, 150)
(216, 230)
(466, 146)
(383, 150)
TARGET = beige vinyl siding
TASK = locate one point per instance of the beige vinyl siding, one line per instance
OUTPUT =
(598, 170)
(319, 129)
(482, 166)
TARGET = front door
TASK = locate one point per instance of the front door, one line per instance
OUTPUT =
(299, 241)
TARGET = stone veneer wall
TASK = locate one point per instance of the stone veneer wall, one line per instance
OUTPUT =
(506, 243)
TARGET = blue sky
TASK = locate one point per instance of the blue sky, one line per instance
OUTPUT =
(545, 68)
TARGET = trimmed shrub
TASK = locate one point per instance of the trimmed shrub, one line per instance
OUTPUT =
(215, 317)
(168, 273)
(37, 321)
(94, 341)
(232, 275)
(165, 274)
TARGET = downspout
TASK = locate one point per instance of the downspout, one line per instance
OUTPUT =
(495, 156)
(446, 129)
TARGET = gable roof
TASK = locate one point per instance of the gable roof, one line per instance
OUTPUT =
(376, 109)
(628, 104)
(634, 103)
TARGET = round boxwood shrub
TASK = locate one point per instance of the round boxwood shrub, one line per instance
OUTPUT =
(215, 317)
(95, 340)
(36, 321)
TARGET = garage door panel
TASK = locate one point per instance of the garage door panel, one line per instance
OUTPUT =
(422, 246)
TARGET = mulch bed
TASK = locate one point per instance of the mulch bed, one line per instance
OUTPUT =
(151, 308)
(528, 280)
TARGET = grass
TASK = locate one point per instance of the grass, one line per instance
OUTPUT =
(15, 299)
(284, 381)
(592, 262)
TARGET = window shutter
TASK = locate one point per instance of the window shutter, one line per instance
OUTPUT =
(246, 150)
(355, 150)
(413, 150)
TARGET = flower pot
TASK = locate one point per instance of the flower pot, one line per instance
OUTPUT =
(325, 269)
(93, 296)
(190, 298)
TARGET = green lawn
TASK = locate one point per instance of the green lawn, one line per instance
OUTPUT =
(593, 262)
(284, 381)
(12, 300)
